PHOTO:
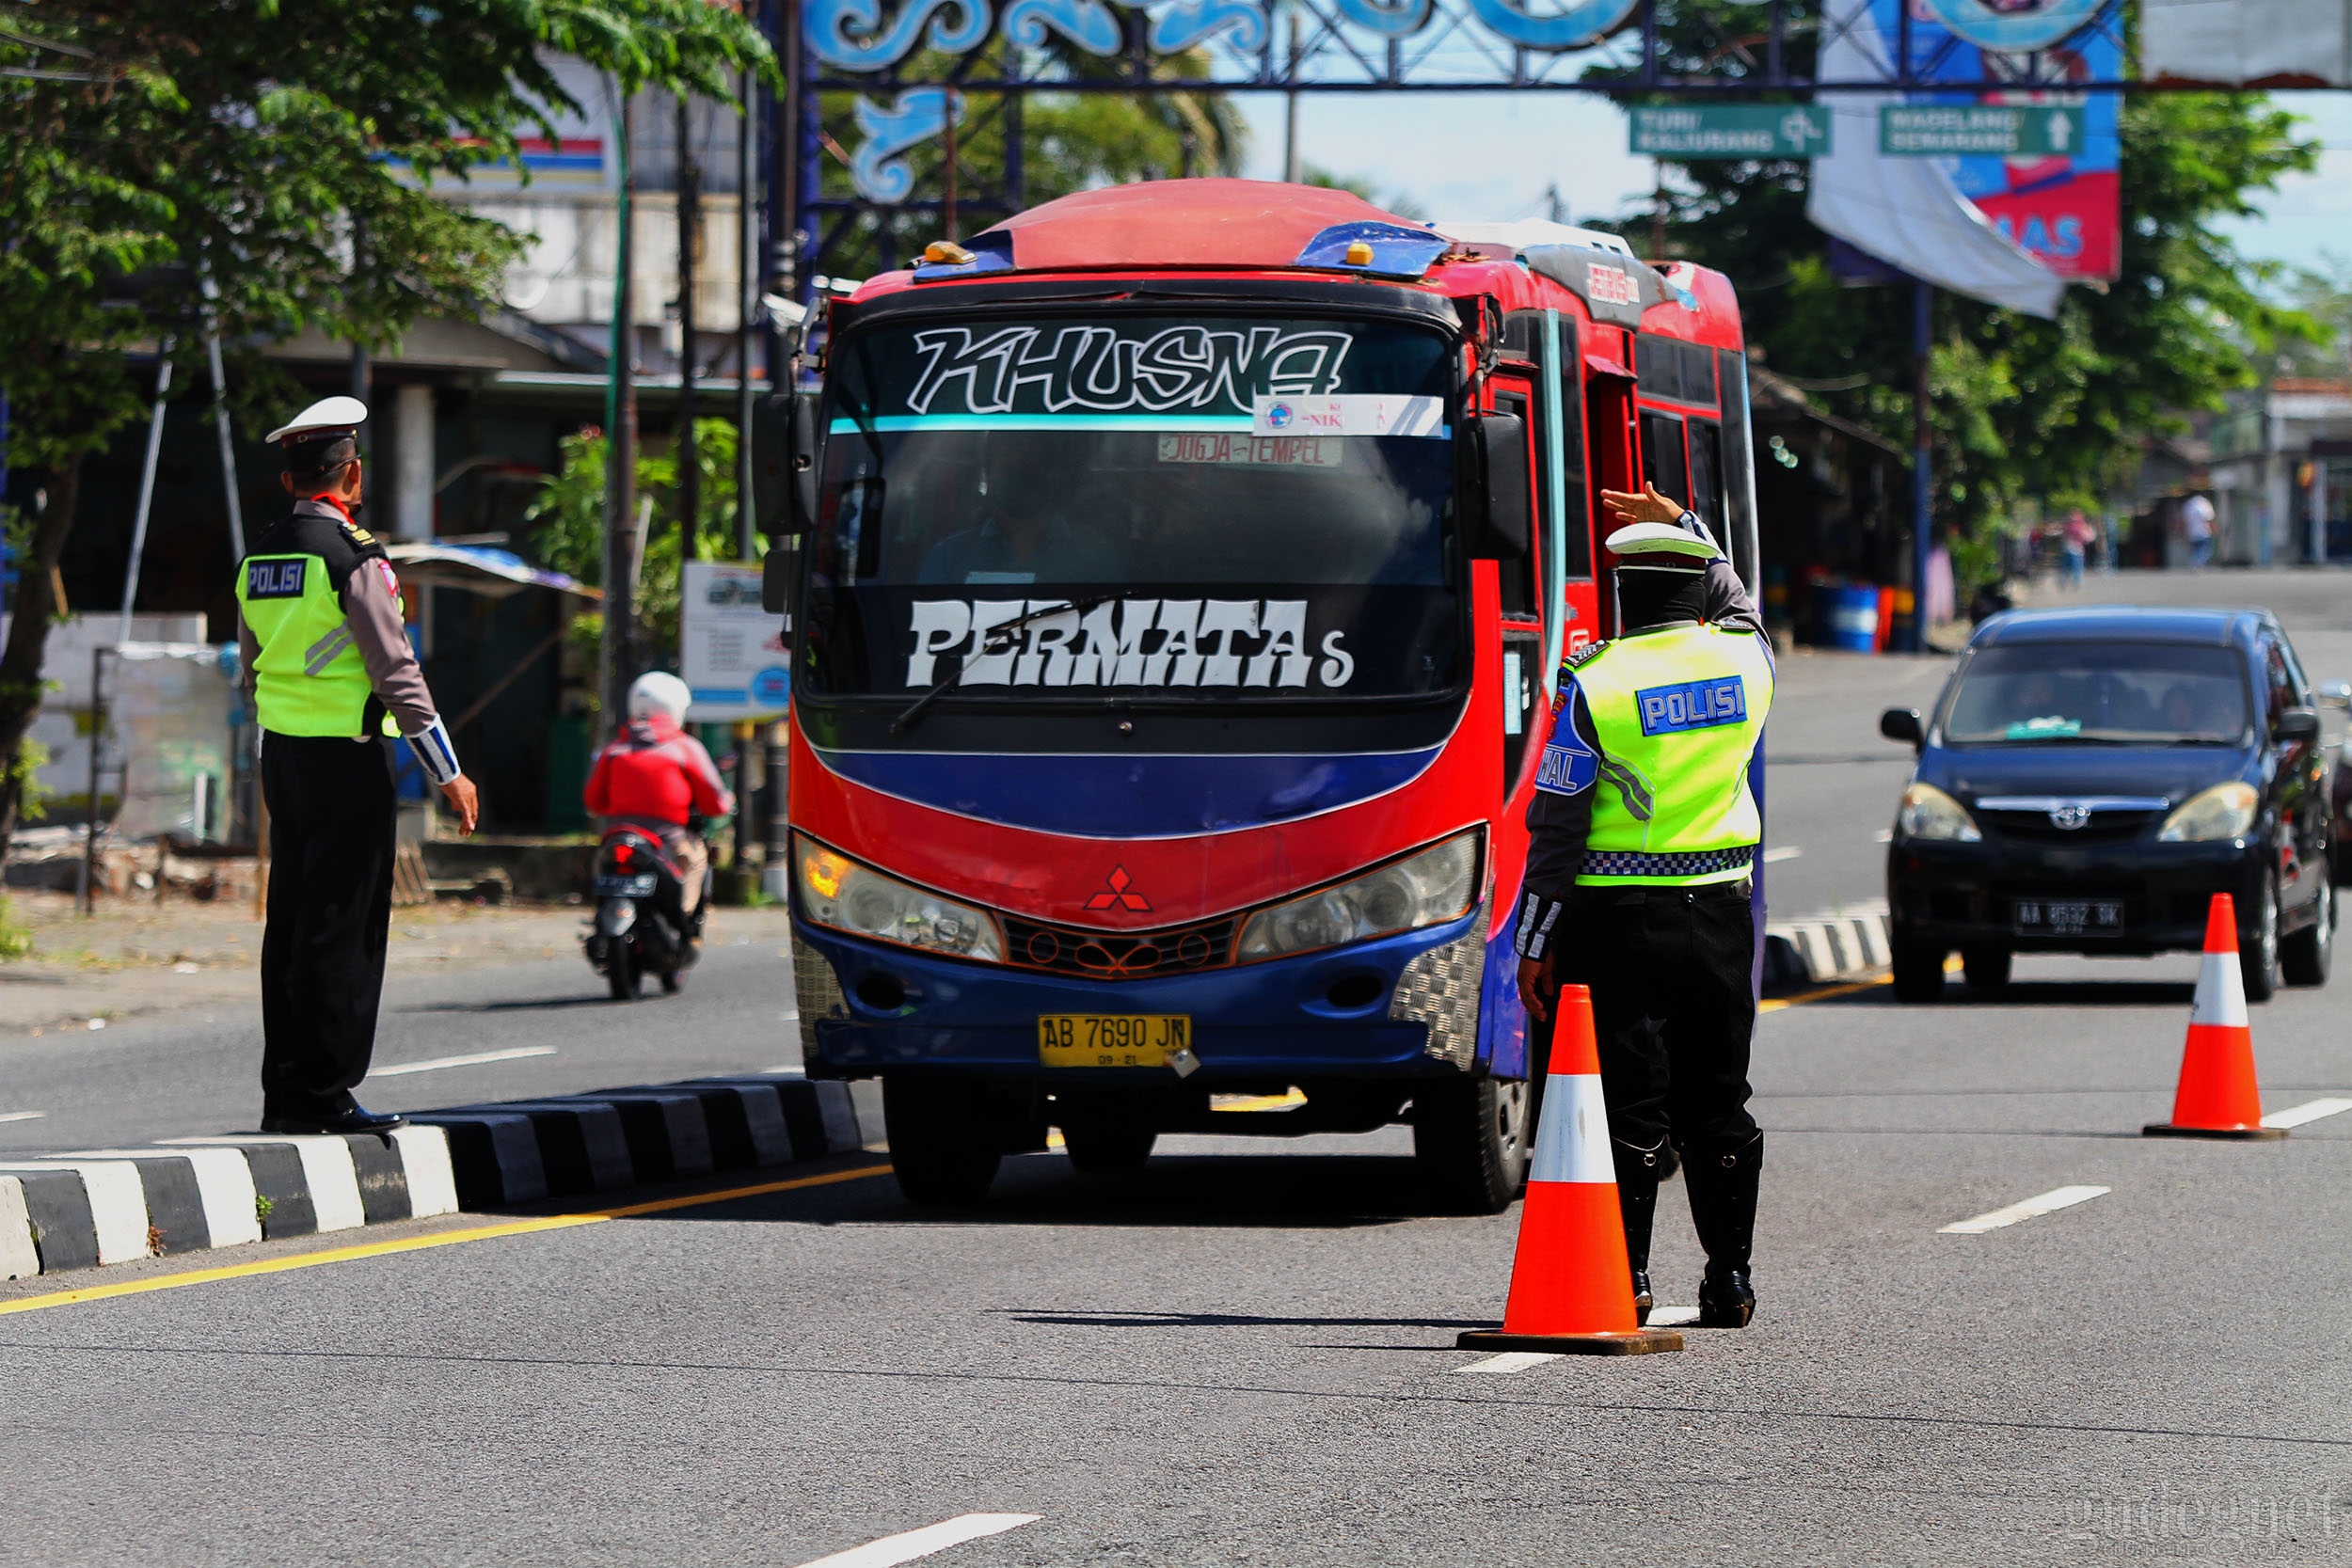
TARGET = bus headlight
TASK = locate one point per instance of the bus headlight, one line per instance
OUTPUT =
(2225, 811)
(1424, 888)
(1927, 811)
(838, 893)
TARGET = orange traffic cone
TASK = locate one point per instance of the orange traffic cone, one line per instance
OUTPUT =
(2217, 1097)
(1572, 1287)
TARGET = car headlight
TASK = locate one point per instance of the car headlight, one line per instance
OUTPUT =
(1436, 884)
(837, 892)
(2225, 811)
(1927, 811)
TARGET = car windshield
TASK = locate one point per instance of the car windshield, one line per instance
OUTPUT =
(2119, 693)
(1248, 508)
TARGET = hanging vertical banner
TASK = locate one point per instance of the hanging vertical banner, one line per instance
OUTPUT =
(2061, 205)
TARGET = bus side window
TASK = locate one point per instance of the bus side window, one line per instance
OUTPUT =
(1519, 576)
(1576, 559)
(1707, 467)
(1662, 461)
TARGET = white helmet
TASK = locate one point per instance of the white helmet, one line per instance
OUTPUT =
(660, 692)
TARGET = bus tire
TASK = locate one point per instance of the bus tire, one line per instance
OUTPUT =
(940, 1150)
(1107, 1147)
(1471, 1138)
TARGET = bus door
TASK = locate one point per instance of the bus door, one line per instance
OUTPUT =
(1521, 634)
(1612, 442)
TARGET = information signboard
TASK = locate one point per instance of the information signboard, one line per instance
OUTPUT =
(1731, 129)
(733, 655)
(1993, 130)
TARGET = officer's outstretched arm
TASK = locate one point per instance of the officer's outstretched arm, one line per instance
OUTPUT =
(372, 611)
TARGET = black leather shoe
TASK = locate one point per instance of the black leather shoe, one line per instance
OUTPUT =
(355, 1119)
(1642, 1301)
(1726, 1299)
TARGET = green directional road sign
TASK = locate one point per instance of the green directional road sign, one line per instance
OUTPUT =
(2004, 130)
(1731, 131)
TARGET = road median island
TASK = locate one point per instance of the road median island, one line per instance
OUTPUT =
(84, 1210)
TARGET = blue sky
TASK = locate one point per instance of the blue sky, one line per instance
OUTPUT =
(1491, 156)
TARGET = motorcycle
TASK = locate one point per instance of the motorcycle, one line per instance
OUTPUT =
(640, 925)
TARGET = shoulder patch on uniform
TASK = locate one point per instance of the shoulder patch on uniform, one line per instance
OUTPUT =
(357, 535)
(1577, 657)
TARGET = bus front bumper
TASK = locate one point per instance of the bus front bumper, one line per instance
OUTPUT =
(869, 1009)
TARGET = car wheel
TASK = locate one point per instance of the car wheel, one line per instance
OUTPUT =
(943, 1147)
(1918, 972)
(2306, 954)
(2257, 948)
(1987, 968)
(1470, 1138)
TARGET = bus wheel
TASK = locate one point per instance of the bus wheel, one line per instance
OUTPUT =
(1107, 1147)
(943, 1148)
(1470, 1137)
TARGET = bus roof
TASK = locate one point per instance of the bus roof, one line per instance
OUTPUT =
(1257, 227)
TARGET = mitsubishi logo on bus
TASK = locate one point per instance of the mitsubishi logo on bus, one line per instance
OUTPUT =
(1117, 896)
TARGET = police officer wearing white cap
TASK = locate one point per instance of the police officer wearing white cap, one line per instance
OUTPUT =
(332, 680)
(1643, 837)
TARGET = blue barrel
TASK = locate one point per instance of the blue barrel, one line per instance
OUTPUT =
(1849, 619)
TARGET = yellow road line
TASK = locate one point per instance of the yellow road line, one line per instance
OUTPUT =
(1775, 1004)
(419, 1243)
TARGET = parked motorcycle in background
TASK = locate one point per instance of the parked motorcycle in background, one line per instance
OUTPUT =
(641, 927)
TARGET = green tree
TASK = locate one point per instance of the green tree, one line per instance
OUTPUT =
(2020, 406)
(280, 156)
(568, 525)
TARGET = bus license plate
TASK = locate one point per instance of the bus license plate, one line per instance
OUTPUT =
(1111, 1039)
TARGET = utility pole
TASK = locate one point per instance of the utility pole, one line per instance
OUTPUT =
(1922, 334)
(747, 304)
(1293, 168)
(619, 650)
(690, 178)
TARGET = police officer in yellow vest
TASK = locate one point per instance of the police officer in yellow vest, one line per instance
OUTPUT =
(1642, 834)
(332, 678)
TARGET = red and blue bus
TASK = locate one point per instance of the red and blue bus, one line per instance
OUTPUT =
(1176, 613)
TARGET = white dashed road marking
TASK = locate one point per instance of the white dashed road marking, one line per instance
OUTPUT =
(1510, 1361)
(22, 1116)
(907, 1547)
(1673, 1317)
(2311, 1110)
(2059, 1197)
(1780, 852)
(478, 1059)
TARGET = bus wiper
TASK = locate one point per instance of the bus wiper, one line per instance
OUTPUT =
(913, 710)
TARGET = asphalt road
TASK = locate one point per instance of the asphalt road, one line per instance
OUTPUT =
(1244, 1353)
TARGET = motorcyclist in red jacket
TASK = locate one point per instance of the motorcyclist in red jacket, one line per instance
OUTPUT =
(654, 775)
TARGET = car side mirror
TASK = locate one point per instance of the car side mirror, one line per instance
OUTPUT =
(1902, 723)
(1502, 506)
(2297, 723)
(2336, 694)
(776, 572)
(784, 464)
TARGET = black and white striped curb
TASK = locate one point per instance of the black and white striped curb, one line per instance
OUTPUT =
(1835, 945)
(101, 1206)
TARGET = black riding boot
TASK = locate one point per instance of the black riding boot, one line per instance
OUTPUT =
(1639, 1171)
(1722, 1184)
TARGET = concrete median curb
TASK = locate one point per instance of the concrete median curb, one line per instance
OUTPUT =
(90, 1208)
(1837, 944)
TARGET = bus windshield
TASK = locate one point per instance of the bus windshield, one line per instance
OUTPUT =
(1247, 508)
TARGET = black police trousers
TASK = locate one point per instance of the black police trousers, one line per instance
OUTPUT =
(1673, 1007)
(330, 907)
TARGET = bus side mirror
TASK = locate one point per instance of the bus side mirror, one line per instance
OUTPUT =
(784, 464)
(1503, 506)
(776, 571)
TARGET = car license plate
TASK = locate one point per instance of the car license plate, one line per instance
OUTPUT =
(640, 886)
(2067, 917)
(1111, 1039)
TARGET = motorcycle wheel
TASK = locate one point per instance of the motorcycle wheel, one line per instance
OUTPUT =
(671, 979)
(623, 973)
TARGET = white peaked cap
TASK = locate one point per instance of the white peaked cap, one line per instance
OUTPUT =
(1667, 545)
(327, 415)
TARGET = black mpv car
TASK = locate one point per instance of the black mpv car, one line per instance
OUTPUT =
(2091, 778)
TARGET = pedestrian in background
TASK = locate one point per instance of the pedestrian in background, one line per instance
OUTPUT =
(2074, 546)
(333, 680)
(2197, 527)
(1643, 837)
